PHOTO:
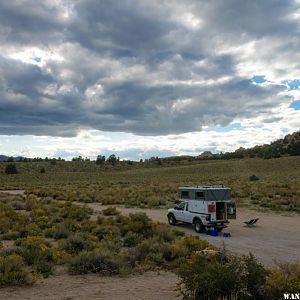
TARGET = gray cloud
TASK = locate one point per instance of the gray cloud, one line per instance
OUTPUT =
(146, 67)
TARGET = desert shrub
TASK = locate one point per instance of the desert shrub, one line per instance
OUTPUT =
(186, 246)
(13, 271)
(99, 261)
(18, 205)
(110, 211)
(283, 278)
(28, 230)
(11, 235)
(153, 251)
(31, 202)
(11, 169)
(163, 231)
(60, 231)
(131, 239)
(37, 253)
(42, 222)
(215, 277)
(64, 229)
(203, 279)
(253, 178)
(74, 212)
(106, 232)
(5, 224)
(8, 218)
(138, 223)
(78, 242)
(255, 278)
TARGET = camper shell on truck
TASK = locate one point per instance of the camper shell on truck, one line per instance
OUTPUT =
(204, 206)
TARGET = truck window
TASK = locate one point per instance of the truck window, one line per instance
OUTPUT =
(185, 194)
(200, 195)
(181, 206)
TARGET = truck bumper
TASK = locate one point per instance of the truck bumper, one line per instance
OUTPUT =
(217, 224)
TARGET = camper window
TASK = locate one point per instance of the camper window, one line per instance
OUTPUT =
(199, 195)
(184, 194)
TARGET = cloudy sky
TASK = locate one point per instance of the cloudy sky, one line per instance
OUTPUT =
(143, 78)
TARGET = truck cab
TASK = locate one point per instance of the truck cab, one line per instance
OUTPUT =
(204, 206)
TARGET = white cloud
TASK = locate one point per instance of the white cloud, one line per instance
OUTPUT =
(148, 68)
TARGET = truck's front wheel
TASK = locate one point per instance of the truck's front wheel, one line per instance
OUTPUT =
(172, 220)
(198, 226)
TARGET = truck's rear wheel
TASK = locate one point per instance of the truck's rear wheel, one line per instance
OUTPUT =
(198, 226)
(172, 220)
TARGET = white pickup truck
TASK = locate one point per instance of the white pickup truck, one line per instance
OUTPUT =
(204, 207)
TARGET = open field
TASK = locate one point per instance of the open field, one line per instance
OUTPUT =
(278, 187)
(38, 215)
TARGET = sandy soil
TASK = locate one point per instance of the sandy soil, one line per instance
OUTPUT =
(151, 285)
(275, 237)
(13, 192)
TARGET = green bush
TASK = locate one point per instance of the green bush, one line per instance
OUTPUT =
(138, 223)
(99, 261)
(206, 277)
(13, 271)
(28, 230)
(73, 212)
(110, 211)
(36, 252)
(185, 246)
(60, 231)
(11, 169)
(255, 278)
(283, 278)
(153, 251)
(103, 232)
(78, 242)
(253, 178)
(131, 239)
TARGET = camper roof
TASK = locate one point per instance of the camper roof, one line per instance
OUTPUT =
(202, 187)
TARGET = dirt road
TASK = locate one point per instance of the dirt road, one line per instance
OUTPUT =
(150, 285)
(275, 237)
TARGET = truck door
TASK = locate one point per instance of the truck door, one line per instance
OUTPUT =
(187, 216)
(231, 210)
(180, 211)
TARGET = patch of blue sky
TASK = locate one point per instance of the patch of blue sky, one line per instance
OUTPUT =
(295, 105)
(292, 84)
(233, 126)
(259, 79)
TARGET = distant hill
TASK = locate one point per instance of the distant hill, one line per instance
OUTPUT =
(9, 158)
(289, 145)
